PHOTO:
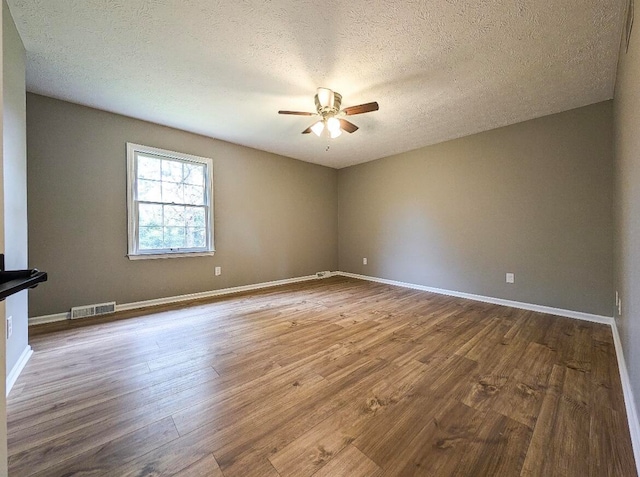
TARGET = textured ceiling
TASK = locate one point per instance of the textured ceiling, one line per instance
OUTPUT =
(439, 69)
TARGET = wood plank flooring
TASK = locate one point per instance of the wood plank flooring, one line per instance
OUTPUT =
(334, 377)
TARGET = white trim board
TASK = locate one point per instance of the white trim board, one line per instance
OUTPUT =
(12, 377)
(629, 402)
(39, 320)
(607, 320)
(212, 293)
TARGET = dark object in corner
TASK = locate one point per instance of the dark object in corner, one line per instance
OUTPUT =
(13, 281)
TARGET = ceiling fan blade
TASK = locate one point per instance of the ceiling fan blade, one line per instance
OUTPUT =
(347, 126)
(361, 108)
(297, 113)
(307, 131)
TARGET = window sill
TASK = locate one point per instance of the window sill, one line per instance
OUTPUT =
(154, 256)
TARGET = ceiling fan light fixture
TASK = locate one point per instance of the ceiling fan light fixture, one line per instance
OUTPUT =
(328, 104)
(333, 125)
(317, 128)
(326, 97)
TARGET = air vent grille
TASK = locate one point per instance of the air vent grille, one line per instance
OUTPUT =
(92, 310)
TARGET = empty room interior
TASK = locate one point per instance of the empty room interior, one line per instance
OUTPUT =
(294, 238)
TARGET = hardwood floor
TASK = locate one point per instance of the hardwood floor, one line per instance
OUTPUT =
(335, 377)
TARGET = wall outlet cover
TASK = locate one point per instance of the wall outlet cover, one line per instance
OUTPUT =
(510, 278)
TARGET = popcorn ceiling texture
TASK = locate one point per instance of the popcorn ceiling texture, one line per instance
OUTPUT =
(439, 69)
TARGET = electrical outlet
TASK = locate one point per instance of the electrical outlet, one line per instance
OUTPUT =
(218, 271)
(9, 326)
(620, 306)
(617, 298)
(511, 277)
(364, 261)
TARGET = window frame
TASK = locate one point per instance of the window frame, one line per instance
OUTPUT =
(133, 225)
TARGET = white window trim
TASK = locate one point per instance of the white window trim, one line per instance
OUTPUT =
(132, 211)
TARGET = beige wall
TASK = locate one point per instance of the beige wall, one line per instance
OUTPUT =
(533, 198)
(627, 181)
(15, 182)
(3, 345)
(13, 202)
(275, 217)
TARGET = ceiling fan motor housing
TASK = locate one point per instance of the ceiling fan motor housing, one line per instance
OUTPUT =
(328, 102)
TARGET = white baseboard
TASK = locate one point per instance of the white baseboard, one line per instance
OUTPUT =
(607, 320)
(12, 377)
(629, 402)
(39, 320)
(212, 293)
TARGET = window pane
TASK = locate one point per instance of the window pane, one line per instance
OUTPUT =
(174, 216)
(174, 237)
(194, 216)
(150, 238)
(171, 171)
(150, 215)
(194, 195)
(194, 174)
(149, 190)
(196, 237)
(172, 193)
(149, 168)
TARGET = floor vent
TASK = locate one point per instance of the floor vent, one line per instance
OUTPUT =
(323, 274)
(92, 310)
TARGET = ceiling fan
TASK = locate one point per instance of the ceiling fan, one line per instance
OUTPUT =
(328, 108)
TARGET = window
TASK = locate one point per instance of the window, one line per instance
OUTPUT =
(170, 203)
